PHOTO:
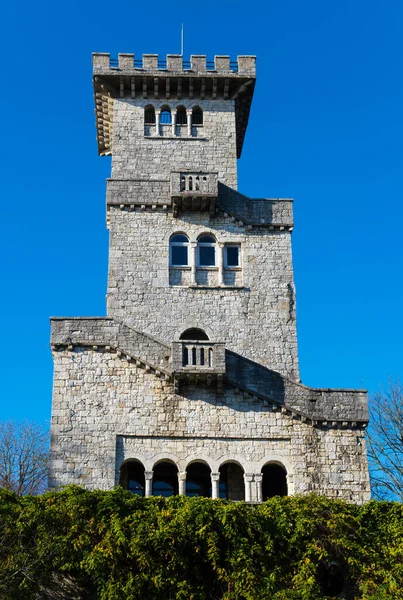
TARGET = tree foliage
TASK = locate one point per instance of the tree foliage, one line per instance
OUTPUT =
(115, 545)
(24, 455)
(385, 442)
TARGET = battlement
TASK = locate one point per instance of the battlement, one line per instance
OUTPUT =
(174, 63)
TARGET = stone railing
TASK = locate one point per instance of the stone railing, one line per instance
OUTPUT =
(198, 357)
(194, 184)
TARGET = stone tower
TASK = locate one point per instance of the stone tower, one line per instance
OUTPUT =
(191, 385)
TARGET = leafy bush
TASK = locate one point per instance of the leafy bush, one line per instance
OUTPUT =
(117, 546)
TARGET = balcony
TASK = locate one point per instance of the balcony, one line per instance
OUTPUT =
(198, 362)
(193, 191)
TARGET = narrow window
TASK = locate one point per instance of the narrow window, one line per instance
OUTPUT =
(206, 247)
(181, 116)
(179, 250)
(232, 255)
(197, 116)
(165, 117)
(149, 115)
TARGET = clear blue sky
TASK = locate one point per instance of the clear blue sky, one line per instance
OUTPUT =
(325, 129)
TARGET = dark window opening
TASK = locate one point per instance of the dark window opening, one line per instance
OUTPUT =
(198, 480)
(179, 245)
(206, 251)
(149, 115)
(197, 116)
(194, 334)
(232, 255)
(181, 116)
(165, 480)
(132, 477)
(231, 483)
(274, 481)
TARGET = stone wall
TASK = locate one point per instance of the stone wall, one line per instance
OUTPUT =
(107, 411)
(254, 316)
(149, 156)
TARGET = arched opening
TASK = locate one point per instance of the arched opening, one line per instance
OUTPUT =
(194, 334)
(181, 116)
(149, 115)
(206, 251)
(132, 477)
(197, 116)
(231, 484)
(274, 481)
(179, 250)
(198, 480)
(165, 479)
(165, 116)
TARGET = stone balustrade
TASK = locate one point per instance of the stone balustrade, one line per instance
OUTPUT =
(190, 356)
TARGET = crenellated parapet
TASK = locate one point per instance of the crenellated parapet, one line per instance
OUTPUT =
(170, 79)
(221, 65)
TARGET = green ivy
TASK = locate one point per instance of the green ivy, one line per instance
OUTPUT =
(118, 546)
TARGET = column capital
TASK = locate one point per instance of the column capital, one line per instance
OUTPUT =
(248, 476)
(182, 476)
(215, 477)
(258, 477)
(148, 474)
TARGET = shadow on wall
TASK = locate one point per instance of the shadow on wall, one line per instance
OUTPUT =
(245, 373)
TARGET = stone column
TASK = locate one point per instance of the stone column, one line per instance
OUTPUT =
(215, 485)
(157, 122)
(148, 476)
(192, 262)
(189, 115)
(259, 491)
(220, 261)
(248, 478)
(173, 116)
(182, 483)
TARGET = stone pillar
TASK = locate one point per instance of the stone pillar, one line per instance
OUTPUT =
(173, 116)
(215, 485)
(182, 483)
(248, 478)
(259, 490)
(192, 262)
(148, 476)
(189, 116)
(220, 261)
(157, 122)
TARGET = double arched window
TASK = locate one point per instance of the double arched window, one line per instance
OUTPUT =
(179, 250)
(206, 251)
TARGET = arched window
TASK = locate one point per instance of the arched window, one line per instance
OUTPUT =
(206, 251)
(149, 115)
(165, 479)
(132, 477)
(179, 250)
(274, 481)
(198, 480)
(181, 116)
(231, 485)
(194, 334)
(197, 116)
(165, 117)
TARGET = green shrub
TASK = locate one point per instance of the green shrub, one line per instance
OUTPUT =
(118, 546)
